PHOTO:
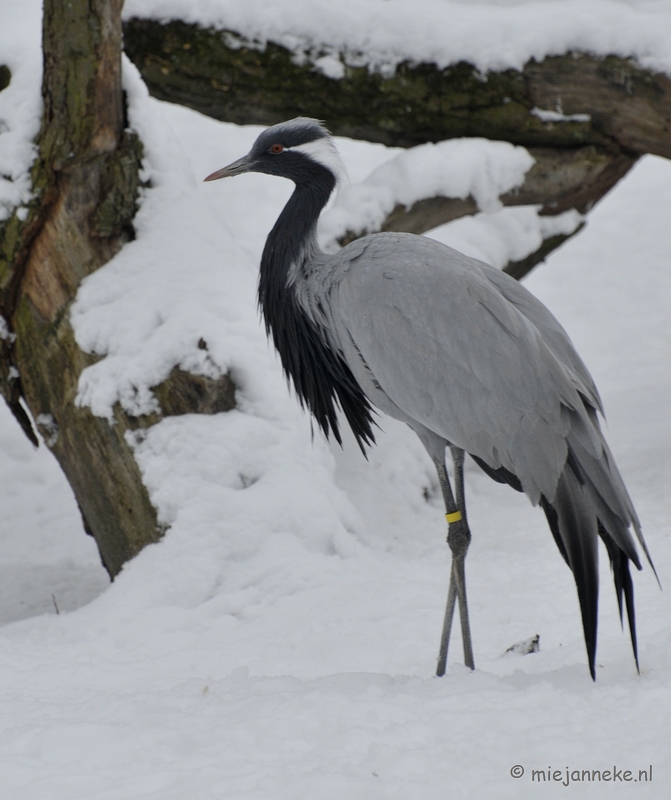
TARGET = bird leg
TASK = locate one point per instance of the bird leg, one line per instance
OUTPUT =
(459, 538)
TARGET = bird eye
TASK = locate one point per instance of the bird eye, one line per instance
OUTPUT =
(276, 148)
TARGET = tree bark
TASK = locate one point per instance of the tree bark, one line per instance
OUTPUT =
(86, 183)
(230, 79)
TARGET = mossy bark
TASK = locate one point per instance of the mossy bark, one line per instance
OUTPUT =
(85, 190)
(228, 78)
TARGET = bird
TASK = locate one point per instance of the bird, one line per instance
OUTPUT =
(459, 351)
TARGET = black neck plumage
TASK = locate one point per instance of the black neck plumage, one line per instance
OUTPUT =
(320, 376)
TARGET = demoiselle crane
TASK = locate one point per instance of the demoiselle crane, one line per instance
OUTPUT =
(458, 350)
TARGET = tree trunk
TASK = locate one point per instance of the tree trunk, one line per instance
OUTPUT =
(86, 182)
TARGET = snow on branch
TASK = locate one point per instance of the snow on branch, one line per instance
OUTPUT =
(382, 34)
(457, 168)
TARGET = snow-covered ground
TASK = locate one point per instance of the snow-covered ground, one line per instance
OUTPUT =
(280, 642)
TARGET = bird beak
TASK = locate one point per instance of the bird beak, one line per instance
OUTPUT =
(242, 165)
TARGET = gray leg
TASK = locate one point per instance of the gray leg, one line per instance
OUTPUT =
(459, 538)
(447, 625)
(462, 538)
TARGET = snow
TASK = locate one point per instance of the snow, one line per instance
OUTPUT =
(510, 234)
(331, 67)
(46, 560)
(280, 641)
(455, 168)
(458, 168)
(547, 115)
(382, 33)
(20, 102)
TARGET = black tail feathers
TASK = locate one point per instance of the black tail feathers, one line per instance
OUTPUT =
(579, 514)
(574, 526)
(624, 586)
(576, 530)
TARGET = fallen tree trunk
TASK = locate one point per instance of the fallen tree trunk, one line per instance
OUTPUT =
(620, 105)
(584, 119)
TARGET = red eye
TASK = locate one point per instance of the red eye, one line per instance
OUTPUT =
(276, 148)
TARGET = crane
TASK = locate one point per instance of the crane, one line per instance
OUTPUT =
(458, 350)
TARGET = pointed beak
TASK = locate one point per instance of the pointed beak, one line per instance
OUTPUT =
(242, 165)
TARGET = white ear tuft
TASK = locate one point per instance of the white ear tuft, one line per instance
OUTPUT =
(323, 151)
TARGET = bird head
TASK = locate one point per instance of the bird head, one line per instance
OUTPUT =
(300, 149)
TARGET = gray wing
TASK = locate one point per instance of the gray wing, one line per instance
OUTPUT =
(466, 352)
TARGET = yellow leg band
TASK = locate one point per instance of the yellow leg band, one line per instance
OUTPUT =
(453, 517)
